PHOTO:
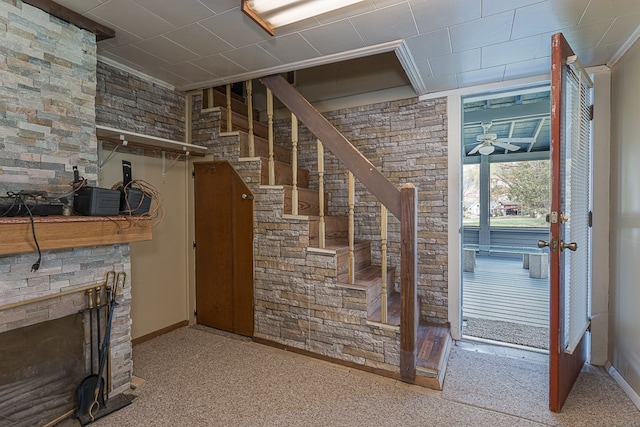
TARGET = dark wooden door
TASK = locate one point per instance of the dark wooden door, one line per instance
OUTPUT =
(569, 224)
(224, 248)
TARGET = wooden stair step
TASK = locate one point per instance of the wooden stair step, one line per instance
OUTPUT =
(433, 343)
(283, 174)
(370, 278)
(261, 147)
(362, 259)
(307, 201)
(394, 305)
(241, 122)
(335, 227)
(238, 103)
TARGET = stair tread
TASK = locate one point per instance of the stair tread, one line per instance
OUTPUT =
(433, 342)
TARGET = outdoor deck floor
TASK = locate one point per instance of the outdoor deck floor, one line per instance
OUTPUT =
(500, 289)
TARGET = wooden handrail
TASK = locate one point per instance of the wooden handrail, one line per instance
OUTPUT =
(361, 167)
(401, 203)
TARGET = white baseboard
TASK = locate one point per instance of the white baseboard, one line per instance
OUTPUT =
(623, 384)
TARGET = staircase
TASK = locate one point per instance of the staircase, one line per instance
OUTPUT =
(433, 341)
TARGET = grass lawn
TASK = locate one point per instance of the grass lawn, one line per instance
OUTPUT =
(508, 221)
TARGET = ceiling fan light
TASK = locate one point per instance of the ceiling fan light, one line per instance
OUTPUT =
(487, 149)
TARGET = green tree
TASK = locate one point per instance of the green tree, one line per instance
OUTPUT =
(527, 183)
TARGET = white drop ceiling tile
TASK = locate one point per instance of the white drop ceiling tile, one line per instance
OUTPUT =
(438, 84)
(491, 7)
(598, 56)
(290, 48)
(122, 37)
(485, 75)
(138, 56)
(220, 66)
(515, 51)
(344, 12)
(235, 28)
(547, 16)
(623, 27)
(456, 62)
(482, 32)
(165, 48)
(220, 6)
(433, 15)
(435, 43)
(189, 71)
(587, 35)
(379, 4)
(188, 11)
(166, 76)
(532, 67)
(198, 39)
(336, 37)
(252, 57)
(80, 6)
(598, 10)
(131, 17)
(383, 25)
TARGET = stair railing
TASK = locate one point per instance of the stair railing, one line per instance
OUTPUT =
(252, 145)
(229, 112)
(351, 234)
(272, 170)
(383, 262)
(294, 164)
(321, 225)
(402, 203)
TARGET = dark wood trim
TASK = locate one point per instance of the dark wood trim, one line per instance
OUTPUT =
(427, 382)
(340, 146)
(159, 332)
(257, 18)
(52, 8)
(410, 312)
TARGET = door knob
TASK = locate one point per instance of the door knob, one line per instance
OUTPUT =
(573, 246)
(542, 243)
(247, 197)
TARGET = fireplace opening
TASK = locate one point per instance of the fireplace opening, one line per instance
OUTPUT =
(41, 366)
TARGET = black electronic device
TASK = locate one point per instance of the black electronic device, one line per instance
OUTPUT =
(25, 203)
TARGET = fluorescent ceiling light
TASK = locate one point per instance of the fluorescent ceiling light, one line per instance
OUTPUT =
(271, 14)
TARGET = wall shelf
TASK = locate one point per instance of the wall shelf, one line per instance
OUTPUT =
(123, 137)
(63, 232)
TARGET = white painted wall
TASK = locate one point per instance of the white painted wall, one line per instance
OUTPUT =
(624, 318)
(159, 267)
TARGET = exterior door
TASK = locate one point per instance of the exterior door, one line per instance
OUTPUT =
(569, 244)
(224, 248)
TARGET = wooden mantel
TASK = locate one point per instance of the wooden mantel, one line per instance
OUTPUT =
(62, 232)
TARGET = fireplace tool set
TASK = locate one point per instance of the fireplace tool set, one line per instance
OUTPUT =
(92, 395)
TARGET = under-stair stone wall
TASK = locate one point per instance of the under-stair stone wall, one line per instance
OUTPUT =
(407, 141)
(297, 302)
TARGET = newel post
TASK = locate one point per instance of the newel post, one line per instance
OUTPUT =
(410, 313)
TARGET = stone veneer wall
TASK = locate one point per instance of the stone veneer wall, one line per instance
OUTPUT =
(297, 301)
(407, 141)
(47, 125)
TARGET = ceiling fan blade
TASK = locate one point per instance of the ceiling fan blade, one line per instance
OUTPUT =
(523, 140)
(474, 150)
(506, 145)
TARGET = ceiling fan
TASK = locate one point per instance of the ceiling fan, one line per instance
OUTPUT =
(487, 142)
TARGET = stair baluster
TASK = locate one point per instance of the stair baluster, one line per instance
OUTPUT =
(294, 164)
(383, 262)
(229, 112)
(272, 171)
(321, 225)
(252, 146)
(352, 193)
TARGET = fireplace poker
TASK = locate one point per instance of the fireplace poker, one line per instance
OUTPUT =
(90, 304)
(98, 303)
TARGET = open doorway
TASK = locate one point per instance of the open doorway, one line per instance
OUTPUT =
(505, 198)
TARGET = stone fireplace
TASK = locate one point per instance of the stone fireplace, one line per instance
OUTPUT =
(47, 126)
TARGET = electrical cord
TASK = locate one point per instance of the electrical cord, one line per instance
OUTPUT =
(148, 190)
(19, 197)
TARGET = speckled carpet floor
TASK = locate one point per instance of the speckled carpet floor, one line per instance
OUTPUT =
(200, 377)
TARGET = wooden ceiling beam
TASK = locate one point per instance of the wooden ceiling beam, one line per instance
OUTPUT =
(52, 8)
